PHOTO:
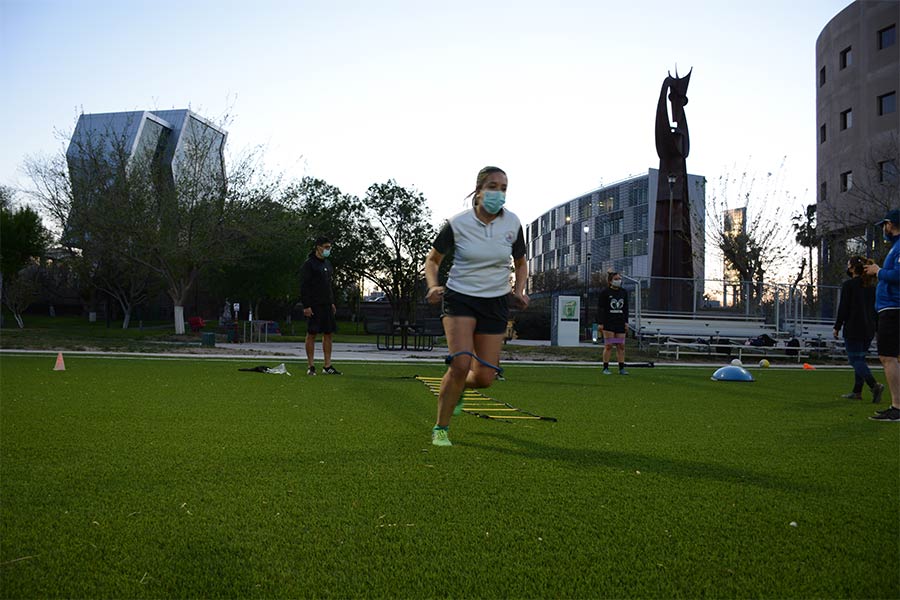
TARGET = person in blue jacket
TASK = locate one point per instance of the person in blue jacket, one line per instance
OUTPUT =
(887, 303)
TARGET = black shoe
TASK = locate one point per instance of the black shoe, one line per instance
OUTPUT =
(852, 396)
(311, 371)
(877, 391)
(331, 371)
(892, 414)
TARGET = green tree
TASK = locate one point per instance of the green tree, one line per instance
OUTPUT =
(264, 253)
(403, 235)
(323, 209)
(23, 240)
(806, 234)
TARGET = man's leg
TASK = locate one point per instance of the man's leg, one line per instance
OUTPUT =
(892, 374)
(310, 349)
(326, 348)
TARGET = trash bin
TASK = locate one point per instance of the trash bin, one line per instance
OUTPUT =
(208, 339)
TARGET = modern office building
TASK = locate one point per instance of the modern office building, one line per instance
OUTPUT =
(609, 228)
(174, 140)
(858, 128)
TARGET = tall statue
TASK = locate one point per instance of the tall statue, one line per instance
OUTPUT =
(672, 249)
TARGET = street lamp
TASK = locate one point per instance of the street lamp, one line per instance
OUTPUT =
(672, 179)
(587, 272)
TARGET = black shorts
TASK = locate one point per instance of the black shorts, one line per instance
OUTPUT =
(491, 314)
(889, 333)
(614, 326)
(322, 320)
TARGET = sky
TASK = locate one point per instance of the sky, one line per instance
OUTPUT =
(562, 95)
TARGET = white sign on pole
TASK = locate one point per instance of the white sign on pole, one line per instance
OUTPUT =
(566, 325)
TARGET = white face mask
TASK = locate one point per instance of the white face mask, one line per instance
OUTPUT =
(616, 283)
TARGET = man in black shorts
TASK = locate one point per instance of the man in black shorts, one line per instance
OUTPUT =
(887, 303)
(318, 304)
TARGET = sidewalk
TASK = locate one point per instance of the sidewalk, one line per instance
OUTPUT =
(296, 352)
(272, 353)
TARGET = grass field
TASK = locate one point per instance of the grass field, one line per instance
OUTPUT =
(133, 478)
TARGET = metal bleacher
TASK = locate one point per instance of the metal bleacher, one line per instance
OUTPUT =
(714, 336)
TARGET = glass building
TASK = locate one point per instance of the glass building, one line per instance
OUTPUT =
(173, 139)
(609, 228)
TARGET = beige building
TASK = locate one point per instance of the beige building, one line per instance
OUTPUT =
(858, 127)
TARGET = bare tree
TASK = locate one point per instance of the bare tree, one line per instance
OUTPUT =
(752, 241)
(873, 190)
(98, 214)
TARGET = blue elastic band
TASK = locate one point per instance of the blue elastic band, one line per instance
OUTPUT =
(449, 359)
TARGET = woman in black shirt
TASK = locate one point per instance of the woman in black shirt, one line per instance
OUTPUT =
(613, 320)
(856, 316)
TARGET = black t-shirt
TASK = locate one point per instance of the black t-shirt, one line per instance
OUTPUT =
(613, 309)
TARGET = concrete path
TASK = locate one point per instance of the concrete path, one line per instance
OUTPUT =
(294, 353)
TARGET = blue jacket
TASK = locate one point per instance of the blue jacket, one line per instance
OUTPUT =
(887, 294)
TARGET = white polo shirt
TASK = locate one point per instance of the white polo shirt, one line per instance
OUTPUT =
(481, 251)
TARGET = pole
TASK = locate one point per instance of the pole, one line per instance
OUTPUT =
(672, 178)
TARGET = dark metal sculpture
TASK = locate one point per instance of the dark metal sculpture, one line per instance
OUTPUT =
(672, 249)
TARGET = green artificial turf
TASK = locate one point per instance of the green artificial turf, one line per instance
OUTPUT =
(127, 478)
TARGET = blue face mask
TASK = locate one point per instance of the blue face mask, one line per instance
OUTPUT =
(493, 201)
(326, 253)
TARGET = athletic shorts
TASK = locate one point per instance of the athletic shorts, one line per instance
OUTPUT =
(322, 320)
(889, 333)
(491, 314)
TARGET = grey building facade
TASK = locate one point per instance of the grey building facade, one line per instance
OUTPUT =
(173, 140)
(610, 227)
(858, 128)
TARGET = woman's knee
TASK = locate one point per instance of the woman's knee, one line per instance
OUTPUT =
(459, 368)
(484, 379)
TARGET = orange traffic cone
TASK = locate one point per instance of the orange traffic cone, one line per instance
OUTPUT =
(808, 367)
(60, 363)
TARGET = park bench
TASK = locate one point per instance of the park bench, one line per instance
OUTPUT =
(387, 334)
(425, 333)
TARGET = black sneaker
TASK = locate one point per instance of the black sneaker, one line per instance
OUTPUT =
(311, 371)
(331, 371)
(876, 393)
(852, 396)
(892, 414)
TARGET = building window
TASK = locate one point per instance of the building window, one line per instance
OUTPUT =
(887, 37)
(823, 192)
(822, 134)
(887, 171)
(821, 76)
(887, 103)
(846, 57)
(847, 181)
(847, 119)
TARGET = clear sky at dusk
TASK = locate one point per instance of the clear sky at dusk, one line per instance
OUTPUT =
(560, 94)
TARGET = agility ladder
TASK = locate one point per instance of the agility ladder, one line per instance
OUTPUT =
(477, 404)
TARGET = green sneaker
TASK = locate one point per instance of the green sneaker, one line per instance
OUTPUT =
(439, 437)
(458, 409)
